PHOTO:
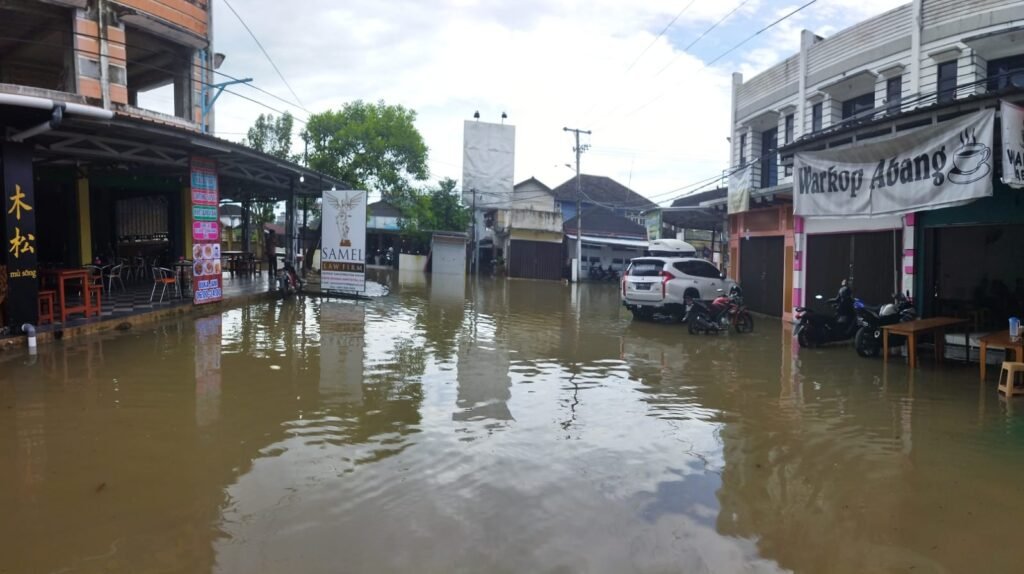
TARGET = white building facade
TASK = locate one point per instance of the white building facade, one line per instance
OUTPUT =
(926, 53)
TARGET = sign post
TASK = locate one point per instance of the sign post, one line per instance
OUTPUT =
(343, 241)
(20, 235)
(207, 278)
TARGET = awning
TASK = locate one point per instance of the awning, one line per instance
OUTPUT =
(694, 217)
(621, 242)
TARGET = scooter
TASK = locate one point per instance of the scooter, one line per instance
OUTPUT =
(725, 312)
(814, 329)
(288, 280)
(870, 320)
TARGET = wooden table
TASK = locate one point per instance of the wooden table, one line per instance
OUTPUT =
(62, 277)
(911, 329)
(1001, 340)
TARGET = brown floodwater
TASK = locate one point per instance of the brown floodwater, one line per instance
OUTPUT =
(496, 427)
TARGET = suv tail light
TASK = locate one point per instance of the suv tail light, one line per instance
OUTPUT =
(665, 277)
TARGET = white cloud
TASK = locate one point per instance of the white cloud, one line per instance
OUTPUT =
(548, 64)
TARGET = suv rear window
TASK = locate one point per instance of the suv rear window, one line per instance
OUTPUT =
(649, 268)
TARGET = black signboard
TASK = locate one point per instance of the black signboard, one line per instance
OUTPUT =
(20, 235)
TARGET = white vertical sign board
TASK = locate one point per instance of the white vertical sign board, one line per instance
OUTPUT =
(1013, 145)
(343, 241)
(488, 162)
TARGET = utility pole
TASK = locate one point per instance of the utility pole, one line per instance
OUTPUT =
(579, 201)
(474, 260)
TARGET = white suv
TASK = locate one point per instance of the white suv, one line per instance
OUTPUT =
(661, 285)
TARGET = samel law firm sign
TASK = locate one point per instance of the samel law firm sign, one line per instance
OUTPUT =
(343, 241)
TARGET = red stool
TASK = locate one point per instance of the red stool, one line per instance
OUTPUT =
(46, 301)
(94, 290)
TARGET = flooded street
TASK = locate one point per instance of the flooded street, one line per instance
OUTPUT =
(495, 427)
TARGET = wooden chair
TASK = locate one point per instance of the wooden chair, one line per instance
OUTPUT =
(1007, 383)
(94, 299)
(47, 298)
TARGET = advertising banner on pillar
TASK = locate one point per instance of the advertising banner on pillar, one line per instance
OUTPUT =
(343, 241)
(738, 198)
(929, 168)
(1013, 144)
(20, 240)
(207, 278)
(652, 219)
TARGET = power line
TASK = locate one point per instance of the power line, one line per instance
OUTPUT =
(701, 37)
(265, 53)
(729, 51)
(660, 34)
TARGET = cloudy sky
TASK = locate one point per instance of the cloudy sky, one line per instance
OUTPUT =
(659, 115)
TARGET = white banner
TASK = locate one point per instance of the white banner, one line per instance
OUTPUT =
(343, 241)
(1013, 145)
(739, 190)
(930, 168)
(488, 161)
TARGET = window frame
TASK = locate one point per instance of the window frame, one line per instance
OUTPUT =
(1000, 80)
(788, 129)
(893, 103)
(743, 150)
(855, 106)
(817, 116)
(948, 93)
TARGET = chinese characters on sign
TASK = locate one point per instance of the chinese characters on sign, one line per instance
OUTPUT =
(207, 280)
(19, 232)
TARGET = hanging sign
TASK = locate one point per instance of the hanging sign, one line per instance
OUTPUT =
(930, 168)
(20, 237)
(343, 241)
(739, 190)
(653, 221)
(207, 278)
(1013, 144)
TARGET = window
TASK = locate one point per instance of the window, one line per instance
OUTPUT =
(743, 150)
(698, 269)
(789, 129)
(893, 94)
(646, 268)
(36, 49)
(947, 81)
(858, 105)
(1002, 71)
(769, 158)
(816, 117)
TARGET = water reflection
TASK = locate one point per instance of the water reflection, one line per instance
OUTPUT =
(494, 426)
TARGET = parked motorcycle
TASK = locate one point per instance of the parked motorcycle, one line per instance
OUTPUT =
(725, 312)
(815, 329)
(870, 320)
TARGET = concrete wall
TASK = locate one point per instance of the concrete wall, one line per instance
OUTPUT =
(531, 195)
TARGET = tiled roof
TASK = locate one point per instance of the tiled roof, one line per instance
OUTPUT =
(603, 190)
(601, 221)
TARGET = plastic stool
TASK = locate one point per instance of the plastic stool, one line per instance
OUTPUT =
(46, 301)
(91, 308)
(1011, 370)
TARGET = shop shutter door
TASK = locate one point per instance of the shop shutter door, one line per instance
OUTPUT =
(761, 274)
(535, 260)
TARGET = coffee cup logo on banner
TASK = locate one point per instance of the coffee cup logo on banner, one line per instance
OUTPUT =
(970, 160)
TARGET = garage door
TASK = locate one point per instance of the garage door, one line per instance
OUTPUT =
(761, 272)
(535, 260)
(870, 258)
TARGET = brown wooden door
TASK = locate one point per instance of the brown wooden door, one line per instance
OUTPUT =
(535, 260)
(761, 274)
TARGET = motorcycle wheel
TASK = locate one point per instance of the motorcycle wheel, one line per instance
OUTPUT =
(693, 324)
(744, 322)
(805, 340)
(864, 342)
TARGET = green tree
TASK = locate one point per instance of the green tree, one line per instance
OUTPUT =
(370, 146)
(435, 209)
(272, 136)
